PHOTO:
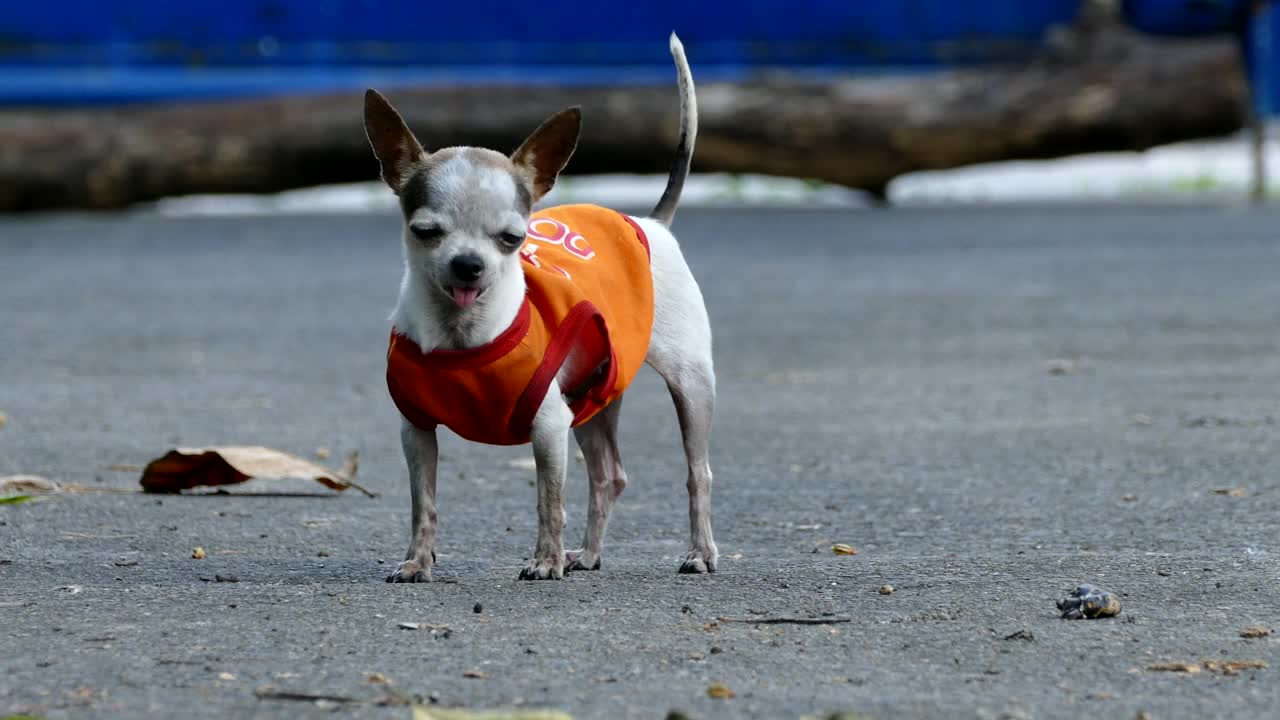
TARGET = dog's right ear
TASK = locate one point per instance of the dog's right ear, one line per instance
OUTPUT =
(393, 143)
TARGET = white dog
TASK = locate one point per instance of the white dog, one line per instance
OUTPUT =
(550, 313)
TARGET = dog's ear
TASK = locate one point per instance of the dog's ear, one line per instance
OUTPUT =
(393, 143)
(542, 155)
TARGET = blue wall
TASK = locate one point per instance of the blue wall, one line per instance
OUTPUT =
(81, 51)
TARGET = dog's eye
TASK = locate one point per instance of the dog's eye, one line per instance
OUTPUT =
(426, 232)
(511, 239)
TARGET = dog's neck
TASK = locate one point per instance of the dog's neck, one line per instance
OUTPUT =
(433, 322)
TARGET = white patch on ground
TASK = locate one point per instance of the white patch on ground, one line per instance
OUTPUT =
(1183, 171)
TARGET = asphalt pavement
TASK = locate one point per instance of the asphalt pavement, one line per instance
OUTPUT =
(991, 404)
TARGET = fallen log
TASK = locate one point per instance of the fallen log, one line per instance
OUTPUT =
(1092, 90)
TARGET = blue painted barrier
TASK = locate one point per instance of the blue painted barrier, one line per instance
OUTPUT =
(82, 51)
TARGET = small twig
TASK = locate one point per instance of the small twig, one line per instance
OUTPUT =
(269, 692)
(787, 620)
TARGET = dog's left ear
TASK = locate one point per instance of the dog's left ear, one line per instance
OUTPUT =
(542, 155)
(393, 142)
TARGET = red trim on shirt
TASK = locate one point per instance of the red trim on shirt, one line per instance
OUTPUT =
(557, 352)
(597, 398)
(472, 357)
(644, 239)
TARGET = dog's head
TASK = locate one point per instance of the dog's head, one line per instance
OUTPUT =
(466, 208)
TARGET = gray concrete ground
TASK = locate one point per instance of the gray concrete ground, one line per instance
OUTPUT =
(884, 382)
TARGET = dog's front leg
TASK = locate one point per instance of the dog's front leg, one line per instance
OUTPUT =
(550, 452)
(420, 454)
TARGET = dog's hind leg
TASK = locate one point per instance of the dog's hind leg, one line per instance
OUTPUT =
(598, 438)
(680, 350)
(693, 390)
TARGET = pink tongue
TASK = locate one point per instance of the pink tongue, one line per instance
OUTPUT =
(465, 297)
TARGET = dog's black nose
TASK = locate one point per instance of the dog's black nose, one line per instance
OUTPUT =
(467, 268)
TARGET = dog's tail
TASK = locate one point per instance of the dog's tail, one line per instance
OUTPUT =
(665, 211)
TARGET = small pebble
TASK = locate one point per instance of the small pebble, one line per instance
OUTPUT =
(1088, 601)
(477, 609)
(886, 589)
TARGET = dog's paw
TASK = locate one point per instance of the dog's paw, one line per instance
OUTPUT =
(581, 560)
(698, 563)
(410, 571)
(543, 570)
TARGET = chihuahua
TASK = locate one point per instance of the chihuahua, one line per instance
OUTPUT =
(515, 326)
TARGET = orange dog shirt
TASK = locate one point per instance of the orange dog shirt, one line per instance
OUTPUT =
(586, 317)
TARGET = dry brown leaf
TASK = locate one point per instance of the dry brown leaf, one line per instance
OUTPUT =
(720, 691)
(476, 674)
(842, 549)
(1232, 492)
(187, 468)
(27, 485)
(1175, 667)
(1231, 667)
(1255, 631)
(198, 553)
(377, 679)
